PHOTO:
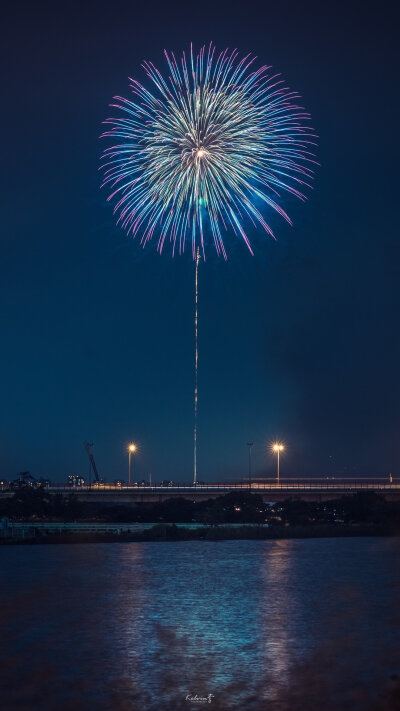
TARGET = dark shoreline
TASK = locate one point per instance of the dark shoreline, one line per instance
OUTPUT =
(170, 532)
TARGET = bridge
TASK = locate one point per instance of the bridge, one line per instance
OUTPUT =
(308, 490)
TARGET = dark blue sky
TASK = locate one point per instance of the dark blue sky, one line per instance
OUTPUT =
(300, 342)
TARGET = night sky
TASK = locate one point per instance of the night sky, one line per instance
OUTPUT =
(299, 342)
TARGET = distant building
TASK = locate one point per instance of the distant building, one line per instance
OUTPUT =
(76, 480)
(43, 482)
(24, 479)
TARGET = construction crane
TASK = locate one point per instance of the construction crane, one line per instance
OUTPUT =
(88, 446)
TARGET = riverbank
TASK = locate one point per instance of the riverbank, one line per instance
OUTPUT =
(171, 532)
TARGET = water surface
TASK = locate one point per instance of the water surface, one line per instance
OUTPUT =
(278, 625)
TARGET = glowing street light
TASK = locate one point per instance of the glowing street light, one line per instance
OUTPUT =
(277, 448)
(131, 450)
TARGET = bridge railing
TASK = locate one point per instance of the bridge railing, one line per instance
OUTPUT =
(343, 485)
(266, 485)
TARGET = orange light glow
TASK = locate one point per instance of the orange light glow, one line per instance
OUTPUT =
(278, 447)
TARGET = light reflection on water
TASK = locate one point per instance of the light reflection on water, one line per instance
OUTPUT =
(281, 625)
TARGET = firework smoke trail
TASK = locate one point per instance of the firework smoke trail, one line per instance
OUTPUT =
(196, 361)
(208, 151)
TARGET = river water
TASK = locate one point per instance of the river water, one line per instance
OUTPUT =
(291, 625)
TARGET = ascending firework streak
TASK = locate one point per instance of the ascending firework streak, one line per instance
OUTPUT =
(196, 360)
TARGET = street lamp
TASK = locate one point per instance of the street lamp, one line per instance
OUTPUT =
(250, 444)
(131, 450)
(277, 448)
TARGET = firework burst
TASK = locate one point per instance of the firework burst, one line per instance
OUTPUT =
(207, 152)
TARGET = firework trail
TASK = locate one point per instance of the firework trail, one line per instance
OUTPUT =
(196, 362)
(206, 150)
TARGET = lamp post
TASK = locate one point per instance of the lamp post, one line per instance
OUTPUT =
(277, 448)
(131, 450)
(250, 444)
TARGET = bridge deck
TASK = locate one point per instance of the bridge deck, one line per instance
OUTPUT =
(270, 491)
